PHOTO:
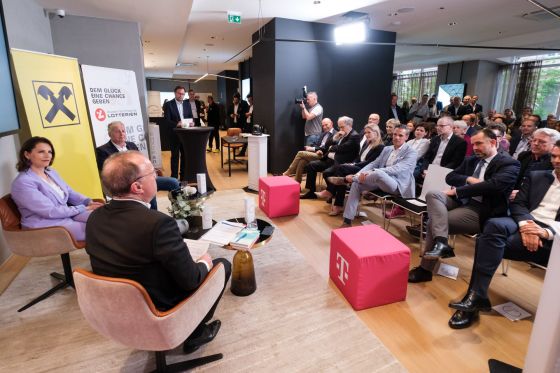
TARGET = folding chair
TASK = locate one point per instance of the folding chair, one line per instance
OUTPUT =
(434, 180)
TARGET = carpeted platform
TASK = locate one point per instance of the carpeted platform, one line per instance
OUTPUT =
(293, 322)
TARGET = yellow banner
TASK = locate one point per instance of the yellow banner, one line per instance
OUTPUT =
(51, 90)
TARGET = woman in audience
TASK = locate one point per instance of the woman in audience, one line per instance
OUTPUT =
(369, 151)
(389, 125)
(460, 129)
(42, 197)
(410, 125)
(420, 143)
(433, 114)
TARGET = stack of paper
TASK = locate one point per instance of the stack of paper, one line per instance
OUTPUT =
(245, 239)
(197, 248)
(223, 232)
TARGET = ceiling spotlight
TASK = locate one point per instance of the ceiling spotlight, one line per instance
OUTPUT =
(316, 2)
(350, 33)
(452, 23)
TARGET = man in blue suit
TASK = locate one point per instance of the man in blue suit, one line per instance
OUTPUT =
(392, 172)
(174, 112)
(480, 188)
(526, 235)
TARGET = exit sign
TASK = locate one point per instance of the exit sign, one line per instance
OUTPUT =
(234, 17)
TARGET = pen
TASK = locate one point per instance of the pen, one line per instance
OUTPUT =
(241, 237)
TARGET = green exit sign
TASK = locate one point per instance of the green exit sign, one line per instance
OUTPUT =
(234, 17)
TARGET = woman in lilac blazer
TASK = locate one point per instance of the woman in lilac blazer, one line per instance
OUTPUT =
(42, 197)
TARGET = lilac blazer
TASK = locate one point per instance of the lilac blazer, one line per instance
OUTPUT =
(40, 206)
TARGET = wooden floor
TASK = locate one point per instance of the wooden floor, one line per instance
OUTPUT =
(415, 330)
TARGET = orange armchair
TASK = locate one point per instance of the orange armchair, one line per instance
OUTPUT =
(38, 242)
(121, 310)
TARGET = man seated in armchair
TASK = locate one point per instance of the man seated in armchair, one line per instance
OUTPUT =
(126, 239)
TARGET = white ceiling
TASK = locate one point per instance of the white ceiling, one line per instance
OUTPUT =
(195, 31)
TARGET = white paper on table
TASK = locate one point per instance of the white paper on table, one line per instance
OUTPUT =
(511, 311)
(416, 202)
(197, 248)
(223, 232)
(447, 270)
(187, 122)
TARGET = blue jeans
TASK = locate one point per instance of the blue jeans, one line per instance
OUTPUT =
(164, 183)
(312, 140)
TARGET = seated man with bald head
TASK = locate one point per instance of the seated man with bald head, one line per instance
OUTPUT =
(128, 240)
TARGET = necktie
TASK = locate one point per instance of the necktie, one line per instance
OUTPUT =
(478, 168)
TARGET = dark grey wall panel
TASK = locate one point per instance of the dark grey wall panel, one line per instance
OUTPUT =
(353, 80)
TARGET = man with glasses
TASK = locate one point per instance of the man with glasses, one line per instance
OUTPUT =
(128, 240)
(538, 157)
(480, 187)
(117, 143)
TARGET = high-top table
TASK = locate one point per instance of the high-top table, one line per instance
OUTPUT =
(193, 160)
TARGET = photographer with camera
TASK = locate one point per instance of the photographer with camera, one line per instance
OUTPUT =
(313, 117)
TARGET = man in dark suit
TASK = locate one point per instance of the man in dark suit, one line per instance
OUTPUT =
(237, 117)
(480, 189)
(174, 112)
(446, 149)
(195, 108)
(453, 107)
(395, 110)
(521, 141)
(117, 143)
(526, 235)
(343, 148)
(126, 239)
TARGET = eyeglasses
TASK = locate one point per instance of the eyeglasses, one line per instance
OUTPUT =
(153, 172)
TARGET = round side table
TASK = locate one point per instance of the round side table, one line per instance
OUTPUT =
(243, 281)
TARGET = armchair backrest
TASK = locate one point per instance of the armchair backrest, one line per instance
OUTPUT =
(9, 214)
(121, 309)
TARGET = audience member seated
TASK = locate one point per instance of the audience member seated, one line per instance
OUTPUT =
(420, 143)
(343, 148)
(472, 125)
(489, 118)
(509, 117)
(118, 143)
(369, 152)
(454, 107)
(460, 129)
(389, 125)
(522, 141)
(433, 112)
(311, 153)
(526, 235)
(126, 239)
(419, 111)
(538, 158)
(42, 197)
(446, 149)
(391, 172)
(480, 187)
(500, 130)
(550, 121)
(410, 125)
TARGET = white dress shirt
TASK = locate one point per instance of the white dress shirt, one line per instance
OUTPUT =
(441, 150)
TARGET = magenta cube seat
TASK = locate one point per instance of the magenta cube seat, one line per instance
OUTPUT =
(278, 196)
(369, 266)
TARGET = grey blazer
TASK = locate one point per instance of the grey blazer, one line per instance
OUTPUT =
(402, 170)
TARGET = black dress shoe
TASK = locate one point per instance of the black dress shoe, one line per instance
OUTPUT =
(414, 230)
(472, 302)
(440, 250)
(308, 195)
(419, 274)
(462, 319)
(208, 334)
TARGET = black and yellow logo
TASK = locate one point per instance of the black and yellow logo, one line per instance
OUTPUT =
(57, 103)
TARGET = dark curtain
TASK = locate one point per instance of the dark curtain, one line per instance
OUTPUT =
(526, 90)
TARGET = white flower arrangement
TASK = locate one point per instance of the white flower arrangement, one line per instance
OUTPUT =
(186, 202)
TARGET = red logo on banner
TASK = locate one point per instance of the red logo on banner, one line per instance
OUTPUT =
(100, 115)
